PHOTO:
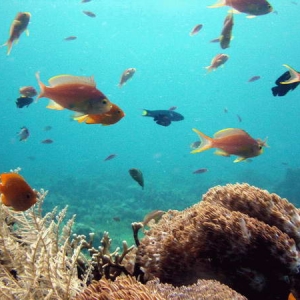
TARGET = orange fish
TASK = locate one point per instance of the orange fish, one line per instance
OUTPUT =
(217, 61)
(113, 116)
(294, 76)
(251, 7)
(231, 141)
(18, 26)
(126, 75)
(291, 297)
(76, 93)
(28, 91)
(15, 192)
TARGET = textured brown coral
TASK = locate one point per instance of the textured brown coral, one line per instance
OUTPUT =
(123, 288)
(260, 204)
(128, 288)
(211, 241)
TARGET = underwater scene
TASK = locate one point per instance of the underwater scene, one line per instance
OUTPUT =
(131, 112)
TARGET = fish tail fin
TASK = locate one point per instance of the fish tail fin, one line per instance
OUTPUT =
(295, 76)
(218, 4)
(206, 142)
(41, 85)
(9, 45)
(209, 69)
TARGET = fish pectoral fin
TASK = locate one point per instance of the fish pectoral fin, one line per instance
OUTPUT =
(221, 153)
(5, 201)
(27, 32)
(218, 4)
(80, 118)
(217, 40)
(239, 159)
(234, 11)
(53, 105)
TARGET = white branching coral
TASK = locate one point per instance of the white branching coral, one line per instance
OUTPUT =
(38, 260)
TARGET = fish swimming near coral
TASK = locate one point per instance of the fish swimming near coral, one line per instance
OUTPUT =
(286, 82)
(163, 117)
(16, 192)
(23, 134)
(18, 26)
(251, 7)
(77, 93)
(153, 215)
(24, 101)
(114, 115)
(137, 175)
(231, 141)
(126, 75)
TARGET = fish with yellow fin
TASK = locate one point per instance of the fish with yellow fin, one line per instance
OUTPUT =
(16, 192)
(231, 141)
(226, 34)
(294, 76)
(18, 26)
(77, 93)
(112, 117)
(251, 7)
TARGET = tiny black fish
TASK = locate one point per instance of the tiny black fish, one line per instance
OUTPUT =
(163, 117)
(24, 101)
(282, 89)
(137, 175)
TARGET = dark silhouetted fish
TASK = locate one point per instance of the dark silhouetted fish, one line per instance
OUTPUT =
(163, 117)
(137, 175)
(282, 89)
(24, 101)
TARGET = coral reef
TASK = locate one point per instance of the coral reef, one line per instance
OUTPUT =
(125, 287)
(219, 239)
(37, 260)
(239, 235)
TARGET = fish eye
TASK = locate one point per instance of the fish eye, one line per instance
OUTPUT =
(28, 195)
(118, 111)
(104, 102)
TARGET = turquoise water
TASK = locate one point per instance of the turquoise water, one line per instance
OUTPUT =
(153, 37)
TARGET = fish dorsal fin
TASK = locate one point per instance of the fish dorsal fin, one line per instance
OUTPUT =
(70, 79)
(229, 132)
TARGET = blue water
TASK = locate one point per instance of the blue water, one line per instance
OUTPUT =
(153, 37)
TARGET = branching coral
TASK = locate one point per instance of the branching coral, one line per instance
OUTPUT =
(125, 287)
(37, 260)
(209, 240)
